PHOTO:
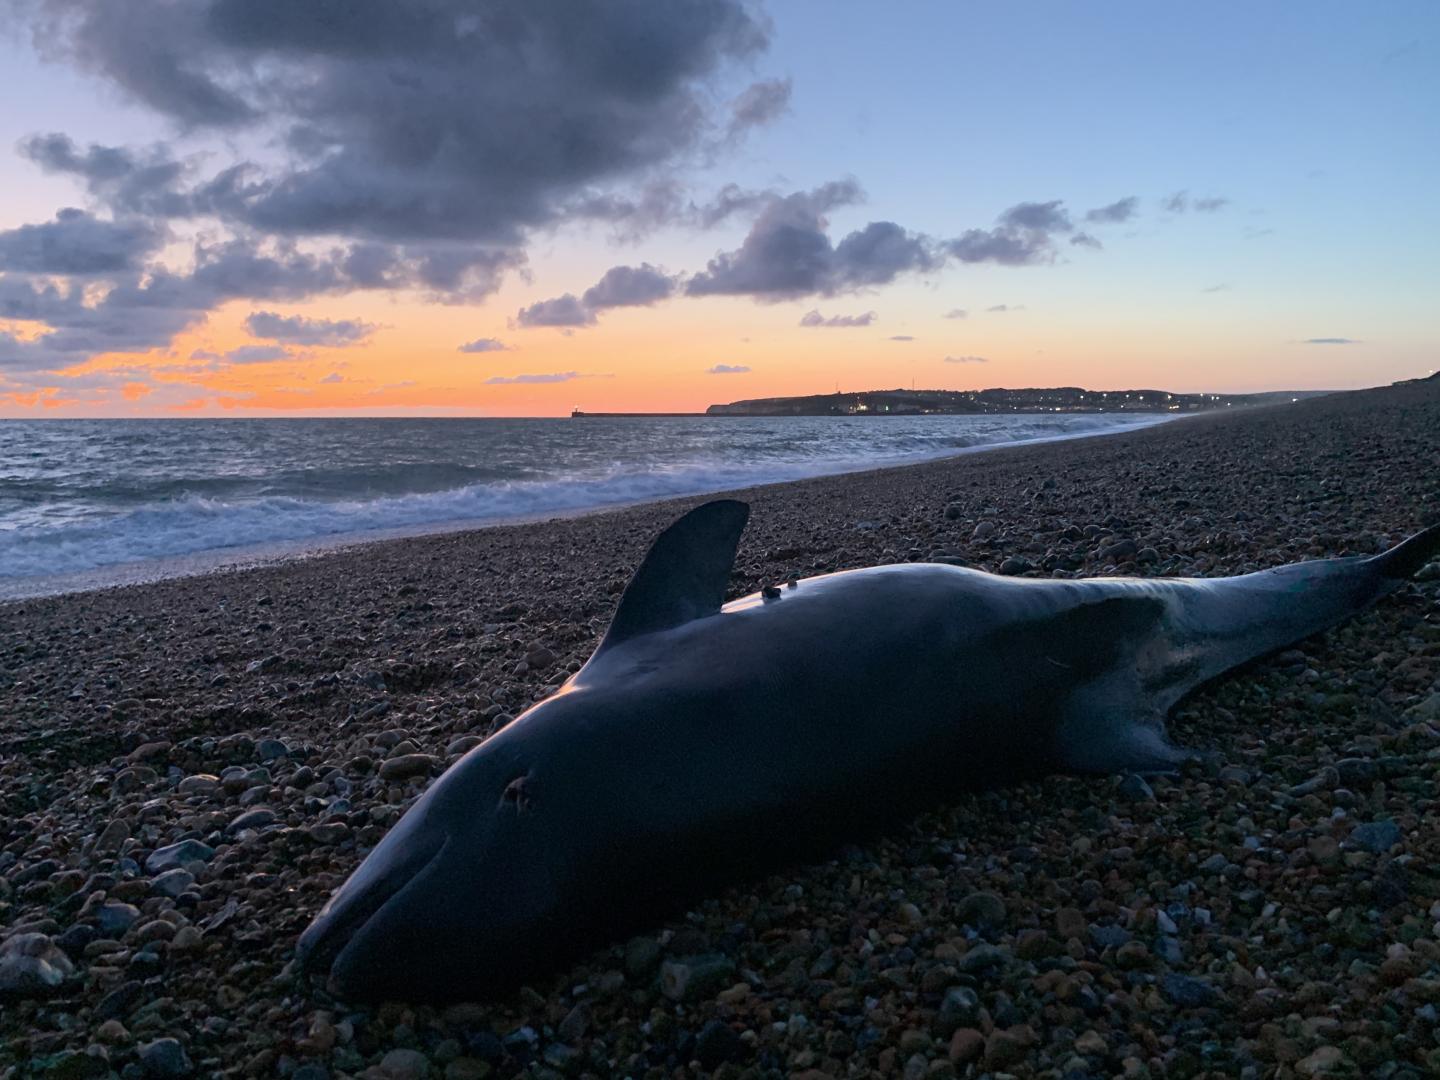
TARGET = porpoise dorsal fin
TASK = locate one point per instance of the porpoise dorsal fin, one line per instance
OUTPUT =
(684, 574)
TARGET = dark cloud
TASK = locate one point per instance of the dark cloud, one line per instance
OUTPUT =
(298, 330)
(80, 244)
(1118, 211)
(566, 310)
(956, 313)
(440, 120)
(629, 286)
(483, 345)
(1210, 205)
(1330, 341)
(788, 252)
(1083, 239)
(814, 318)
(727, 369)
(967, 359)
(554, 377)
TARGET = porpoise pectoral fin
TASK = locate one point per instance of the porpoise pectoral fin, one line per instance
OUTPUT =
(684, 575)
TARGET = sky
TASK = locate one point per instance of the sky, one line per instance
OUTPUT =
(308, 207)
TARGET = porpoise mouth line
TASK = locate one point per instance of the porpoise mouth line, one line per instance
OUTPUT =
(336, 932)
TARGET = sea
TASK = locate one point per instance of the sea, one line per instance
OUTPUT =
(89, 503)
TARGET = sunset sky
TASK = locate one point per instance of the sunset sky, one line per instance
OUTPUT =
(255, 207)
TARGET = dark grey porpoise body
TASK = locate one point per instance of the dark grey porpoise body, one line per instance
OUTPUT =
(703, 744)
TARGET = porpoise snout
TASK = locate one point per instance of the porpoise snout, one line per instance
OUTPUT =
(358, 908)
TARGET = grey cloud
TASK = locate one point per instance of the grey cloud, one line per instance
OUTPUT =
(1082, 239)
(956, 313)
(814, 318)
(144, 311)
(1006, 307)
(620, 286)
(727, 369)
(1330, 341)
(566, 310)
(555, 377)
(1222, 287)
(761, 103)
(483, 345)
(78, 243)
(788, 252)
(298, 330)
(967, 360)
(256, 354)
(1181, 201)
(1008, 247)
(425, 122)
(629, 286)
(1040, 217)
(1115, 213)
(900, 337)
(333, 377)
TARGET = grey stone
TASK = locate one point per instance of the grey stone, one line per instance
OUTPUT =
(165, 1059)
(177, 855)
(1377, 837)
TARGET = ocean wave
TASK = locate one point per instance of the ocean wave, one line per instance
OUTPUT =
(189, 522)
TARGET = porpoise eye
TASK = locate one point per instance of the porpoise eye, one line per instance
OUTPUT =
(520, 793)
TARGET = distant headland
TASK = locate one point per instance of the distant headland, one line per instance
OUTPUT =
(1062, 399)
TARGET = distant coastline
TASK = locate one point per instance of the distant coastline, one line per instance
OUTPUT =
(1059, 399)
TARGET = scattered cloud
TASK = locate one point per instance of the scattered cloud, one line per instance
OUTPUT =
(759, 104)
(566, 310)
(1221, 287)
(788, 252)
(333, 377)
(1330, 341)
(1025, 236)
(727, 369)
(629, 286)
(967, 359)
(620, 286)
(482, 345)
(956, 313)
(1180, 202)
(814, 319)
(1005, 307)
(555, 377)
(245, 354)
(1046, 217)
(1119, 211)
(900, 337)
(299, 330)
(1083, 239)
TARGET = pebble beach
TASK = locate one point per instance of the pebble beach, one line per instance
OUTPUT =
(188, 768)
